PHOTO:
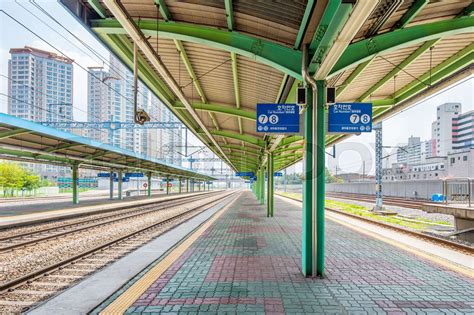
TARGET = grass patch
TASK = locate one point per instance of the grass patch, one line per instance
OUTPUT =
(365, 212)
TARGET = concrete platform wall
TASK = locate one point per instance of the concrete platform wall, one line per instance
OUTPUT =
(424, 188)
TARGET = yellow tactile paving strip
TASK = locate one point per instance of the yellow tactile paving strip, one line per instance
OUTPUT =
(124, 301)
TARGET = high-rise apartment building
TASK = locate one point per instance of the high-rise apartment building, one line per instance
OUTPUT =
(442, 128)
(41, 85)
(110, 95)
(463, 131)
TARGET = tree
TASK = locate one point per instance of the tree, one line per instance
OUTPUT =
(13, 177)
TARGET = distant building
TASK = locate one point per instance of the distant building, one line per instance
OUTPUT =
(41, 85)
(463, 131)
(432, 168)
(110, 95)
(396, 172)
(461, 163)
(442, 128)
(410, 153)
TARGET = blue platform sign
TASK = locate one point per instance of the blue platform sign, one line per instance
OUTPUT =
(133, 174)
(242, 174)
(124, 179)
(278, 118)
(350, 118)
(278, 174)
(106, 175)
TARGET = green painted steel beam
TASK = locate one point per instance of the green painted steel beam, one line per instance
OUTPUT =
(221, 109)
(229, 13)
(98, 8)
(11, 133)
(387, 102)
(237, 136)
(334, 17)
(280, 57)
(289, 140)
(415, 8)
(354, 74)
(293, 148)
(235, 79)
(26, 154)
(241, 157)
(363, 50)
(165, 13)
(467, 10)
(64, 146)
(439, 74)
(189, 68)
(285, 156)
(304, 23)
(402, 65)
(424, 77)
(241, 148)
(244, 153)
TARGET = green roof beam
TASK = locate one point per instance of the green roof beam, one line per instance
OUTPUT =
(241, 148)
(332, 21)
(439, 74)
(304, 23)
(63, 146)
(238, 136)
(293, 148)
(366, 49)
(280, 57)
(98, 8)
(402, 65)
(425, 77)
(289, 140)
(21, 153)
(11, 133)
(354, 74)
(165, 13)
(415, 8)
(229, 13)
(221, 109)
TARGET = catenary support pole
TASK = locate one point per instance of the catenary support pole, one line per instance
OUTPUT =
(320, 174)
(270, 196)
(75, 193)
(111, 179)
(149, 185)
(120, 196)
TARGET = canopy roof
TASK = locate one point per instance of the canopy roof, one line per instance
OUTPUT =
(27, 141)
(212, 61)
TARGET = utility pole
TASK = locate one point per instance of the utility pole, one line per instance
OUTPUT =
(378, 167)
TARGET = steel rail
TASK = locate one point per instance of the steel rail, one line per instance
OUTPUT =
(431, 238)
(134, 212)
(12, 284)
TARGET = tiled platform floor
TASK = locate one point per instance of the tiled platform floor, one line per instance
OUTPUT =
(246, 262)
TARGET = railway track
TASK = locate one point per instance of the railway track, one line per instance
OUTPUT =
(29, 288)
(427, 237)
(29, 237)
(391, 201)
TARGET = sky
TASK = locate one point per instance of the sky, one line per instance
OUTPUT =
(350, 153)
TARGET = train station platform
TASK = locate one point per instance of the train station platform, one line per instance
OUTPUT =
(240, 261)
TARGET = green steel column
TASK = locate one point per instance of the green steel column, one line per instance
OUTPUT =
(307, 240)
(320, 174)
(270, 185)
(262, 186)
(179, 184)
(120, 197)
(75, 193)
(111, 179)
(187, 185)
(149, 185)
(167, 185)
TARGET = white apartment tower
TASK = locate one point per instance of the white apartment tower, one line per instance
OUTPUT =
(442, 128)
(41, 85)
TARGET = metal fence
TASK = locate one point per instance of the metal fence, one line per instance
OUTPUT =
(458, 191)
